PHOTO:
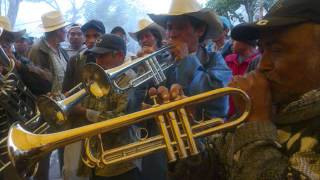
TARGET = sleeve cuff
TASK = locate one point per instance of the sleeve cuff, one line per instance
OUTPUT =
(254, 131)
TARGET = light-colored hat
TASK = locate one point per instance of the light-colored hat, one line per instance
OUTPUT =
(145, 24)
(52, 21)
(8, 34)
(191, 8)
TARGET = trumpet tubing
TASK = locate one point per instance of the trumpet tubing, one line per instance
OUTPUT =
(177, 136)
(16, 104)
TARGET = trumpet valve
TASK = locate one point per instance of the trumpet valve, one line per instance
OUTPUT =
(153, 95)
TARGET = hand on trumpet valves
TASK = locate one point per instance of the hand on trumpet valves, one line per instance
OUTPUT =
(256, 85)
(164, 95)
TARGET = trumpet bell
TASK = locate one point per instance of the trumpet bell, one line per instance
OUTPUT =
(52, 111)
(96, 80)
(24, 166)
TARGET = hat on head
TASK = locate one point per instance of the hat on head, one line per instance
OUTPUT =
(145, 24)
(52, 21)
(191, 8)
(8, 34)
(74, 26)
(93, 24)
(118, 29)
(283, 13)
(108, 43)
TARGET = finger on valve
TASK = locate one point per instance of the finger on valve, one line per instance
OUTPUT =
(176, 92)
(164, 94)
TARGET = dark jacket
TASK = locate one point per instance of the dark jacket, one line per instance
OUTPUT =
(74, 69)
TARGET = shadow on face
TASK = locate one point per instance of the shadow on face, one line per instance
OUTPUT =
(291, 60)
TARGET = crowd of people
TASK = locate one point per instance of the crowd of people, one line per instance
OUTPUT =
(275, 60)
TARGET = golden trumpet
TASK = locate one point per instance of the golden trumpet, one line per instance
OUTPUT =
(177, 135)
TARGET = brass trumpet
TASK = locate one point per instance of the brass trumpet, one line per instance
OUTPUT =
(177, 136)
(16, 102)
(99, 82)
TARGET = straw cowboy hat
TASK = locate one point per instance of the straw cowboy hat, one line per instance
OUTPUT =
(145, 24)
(8, 34)
(52, 21)
(193, 9)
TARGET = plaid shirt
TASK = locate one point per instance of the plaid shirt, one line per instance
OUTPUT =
(111, 106)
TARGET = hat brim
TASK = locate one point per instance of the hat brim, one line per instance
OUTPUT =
(53, 28)
(153, 26)
(99, 50)
(252, 31)
(11, 36)
(206, 15)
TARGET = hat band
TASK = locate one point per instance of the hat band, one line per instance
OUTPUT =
(45, 26)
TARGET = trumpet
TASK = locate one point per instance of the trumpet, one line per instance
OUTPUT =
(99, 82)
(154, 70)
(16, 102)
(177, 136)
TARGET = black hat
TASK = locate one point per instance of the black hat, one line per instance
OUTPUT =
(108, 43)
(93, 24)
(118, 29)
(283, 13)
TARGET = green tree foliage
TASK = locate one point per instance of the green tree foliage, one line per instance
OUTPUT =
(228, 7)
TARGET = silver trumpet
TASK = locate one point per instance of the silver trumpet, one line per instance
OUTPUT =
(154, 70)
(98, 82)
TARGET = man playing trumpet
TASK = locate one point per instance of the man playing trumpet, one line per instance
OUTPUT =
(280, 139)
(110, 52)
(196, 70)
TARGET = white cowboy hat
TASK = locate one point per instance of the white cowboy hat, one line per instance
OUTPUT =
(191, 8)
(52, 21)
(145, 24)
(8, 34)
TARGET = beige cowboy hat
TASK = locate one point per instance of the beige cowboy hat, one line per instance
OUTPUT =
(8, 34)
(191, 8)
(145, 24)
(52, 21)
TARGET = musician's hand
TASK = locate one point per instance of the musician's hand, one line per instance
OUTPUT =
(145, 106)
(257, 87)
(176, 92)
(56, 96)
(145, 50)
(179, 50)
